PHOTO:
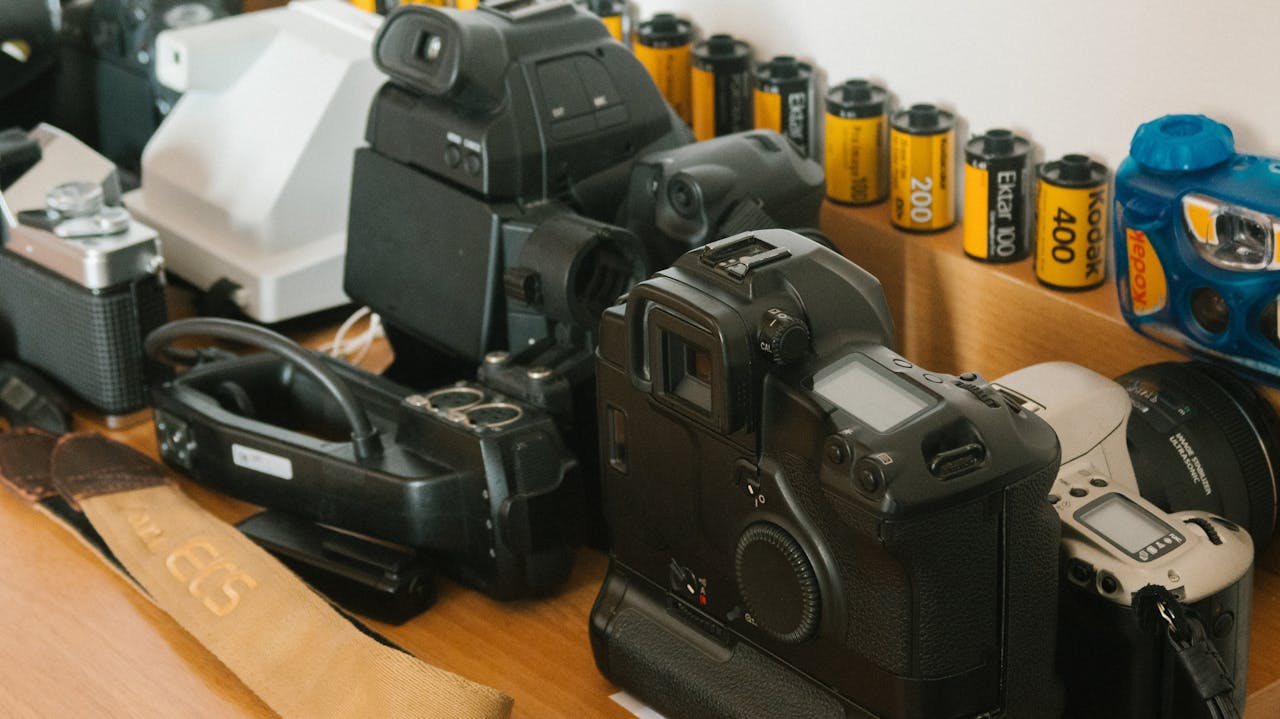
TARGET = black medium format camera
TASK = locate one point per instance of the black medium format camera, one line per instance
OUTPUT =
(485, 212)
(480, 481)
(495, 122)
(108, 69)
(804, 523)
(81, 282)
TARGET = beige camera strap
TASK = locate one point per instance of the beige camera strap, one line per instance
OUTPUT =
(282, 639)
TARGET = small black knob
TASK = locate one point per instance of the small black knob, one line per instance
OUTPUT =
(784, 337)
(777, 583)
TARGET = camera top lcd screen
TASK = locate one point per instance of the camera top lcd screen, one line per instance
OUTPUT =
(873, 395)
(1126, 524)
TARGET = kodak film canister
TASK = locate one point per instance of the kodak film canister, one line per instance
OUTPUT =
(663, 46)
(1071, 223)
(784, 100)
(611, 13)
(922, 190)
(996, 213)
(721, 87)
(857, 127)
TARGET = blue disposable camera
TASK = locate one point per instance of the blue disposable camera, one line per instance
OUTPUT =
(1197, 259)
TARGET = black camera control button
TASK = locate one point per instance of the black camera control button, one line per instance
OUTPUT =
(601, 92)
(784, 337)
(968, 377)
(1108, 584)
(984, 393)
(1210, 531)
(1054, 499)
(1079, 492)
(869, 475)
(1098, 482)
(1080, 572)
(472, 163)
(837, 451)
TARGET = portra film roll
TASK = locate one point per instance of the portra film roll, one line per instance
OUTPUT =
(857, 124)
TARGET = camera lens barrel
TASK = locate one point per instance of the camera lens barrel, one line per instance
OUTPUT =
(1202, 439)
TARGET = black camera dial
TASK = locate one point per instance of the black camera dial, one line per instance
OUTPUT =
(776, 581)
(784, 337)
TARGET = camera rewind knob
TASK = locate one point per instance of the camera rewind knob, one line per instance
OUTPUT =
(777, 583)
(784, 337)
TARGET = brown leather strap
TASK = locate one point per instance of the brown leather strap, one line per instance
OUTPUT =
(24, 463)
(282, 639)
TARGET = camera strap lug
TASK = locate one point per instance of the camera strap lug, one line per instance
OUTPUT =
(1191, 652)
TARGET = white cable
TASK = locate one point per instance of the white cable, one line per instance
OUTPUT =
(354, 350)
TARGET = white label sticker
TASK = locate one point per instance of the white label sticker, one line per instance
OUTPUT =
(260, 461)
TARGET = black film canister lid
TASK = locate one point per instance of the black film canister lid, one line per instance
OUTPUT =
(996, 143)
(923, 119)
(857, 98)
(664, 30)
(783, 68)
(1073, 171)
(722, 52)
(607, 8)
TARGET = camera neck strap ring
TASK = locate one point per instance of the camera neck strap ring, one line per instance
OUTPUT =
(1191, 652)
(282, 639)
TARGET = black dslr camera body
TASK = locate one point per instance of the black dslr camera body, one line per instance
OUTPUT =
(481, 482)
(804, 523)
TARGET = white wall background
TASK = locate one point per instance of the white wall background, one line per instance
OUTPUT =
(1071, 75)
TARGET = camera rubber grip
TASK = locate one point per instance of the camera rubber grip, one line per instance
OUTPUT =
(680, 681)
(90, 342)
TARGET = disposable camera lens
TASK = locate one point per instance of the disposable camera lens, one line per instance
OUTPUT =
(1210, 310)
(1241, 241)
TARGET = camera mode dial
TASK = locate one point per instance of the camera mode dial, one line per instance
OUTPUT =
(784, 337)
(778, 586)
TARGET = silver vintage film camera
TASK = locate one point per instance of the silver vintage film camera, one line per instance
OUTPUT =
(81, 283)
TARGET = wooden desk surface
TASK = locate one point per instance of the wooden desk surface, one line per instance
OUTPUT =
(77, 641)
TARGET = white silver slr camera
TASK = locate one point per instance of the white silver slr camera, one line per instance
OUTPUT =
(1136, 575)
(81, 282)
